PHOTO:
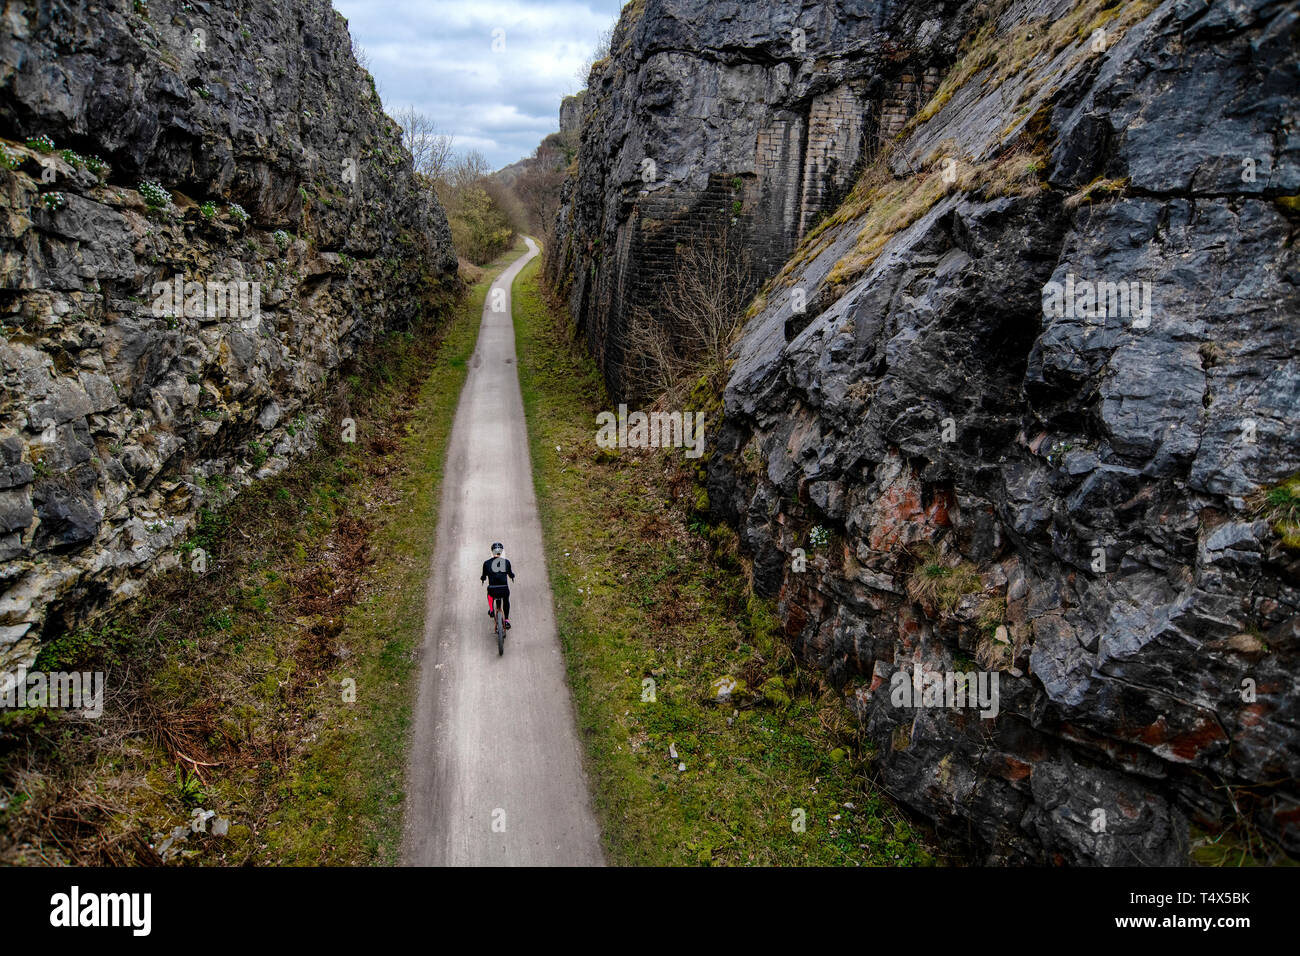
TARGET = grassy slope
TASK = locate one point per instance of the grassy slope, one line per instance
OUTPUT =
(643, 591)
(315, 577)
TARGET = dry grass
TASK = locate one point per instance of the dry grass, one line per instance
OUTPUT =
(470, 274)
(1000, 56)
(887, 207)
(939, 587)
(992, 614)
(1099, 187)
(890, 209)
(1280, 507)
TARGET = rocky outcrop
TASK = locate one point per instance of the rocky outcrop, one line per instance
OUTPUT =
(232, 153)
(1010, 409)
(749, 118)
(571, 116)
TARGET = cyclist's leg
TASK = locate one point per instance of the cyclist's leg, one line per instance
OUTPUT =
(505, 607)
(490, 604)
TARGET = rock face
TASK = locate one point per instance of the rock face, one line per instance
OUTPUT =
(571, 115)
(1046, 365)
(219, 215)
(747, 117)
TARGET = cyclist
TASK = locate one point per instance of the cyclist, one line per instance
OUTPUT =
(496, 570)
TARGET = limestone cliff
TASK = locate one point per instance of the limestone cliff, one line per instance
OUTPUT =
(150, 144)
(1027, 400)
(757, 116)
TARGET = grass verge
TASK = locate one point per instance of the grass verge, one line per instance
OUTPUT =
(655, 620)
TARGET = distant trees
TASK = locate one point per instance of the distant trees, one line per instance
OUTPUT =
(538, 185)
(478, 208)
(485, 210)
(483, 215)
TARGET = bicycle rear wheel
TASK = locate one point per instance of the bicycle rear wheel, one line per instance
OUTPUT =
(501, 631)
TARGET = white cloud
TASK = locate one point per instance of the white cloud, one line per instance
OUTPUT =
(437, 56)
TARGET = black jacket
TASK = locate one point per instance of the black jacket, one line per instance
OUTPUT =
(495, 572)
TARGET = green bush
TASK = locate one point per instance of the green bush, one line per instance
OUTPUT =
(479, 228)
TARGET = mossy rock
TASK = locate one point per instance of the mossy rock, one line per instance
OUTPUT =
(725, 688)
(705, 397)
(839, 755)
(901, 738)
(775, 692)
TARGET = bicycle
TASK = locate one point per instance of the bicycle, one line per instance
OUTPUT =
(499, 624)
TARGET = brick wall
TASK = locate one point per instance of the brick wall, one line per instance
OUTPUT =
(837, 123)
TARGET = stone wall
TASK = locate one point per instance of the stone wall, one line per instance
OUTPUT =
(837, 126)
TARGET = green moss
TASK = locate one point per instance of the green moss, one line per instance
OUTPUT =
(72, 650)
(774, 691)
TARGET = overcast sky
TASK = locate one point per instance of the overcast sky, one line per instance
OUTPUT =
(437, 55)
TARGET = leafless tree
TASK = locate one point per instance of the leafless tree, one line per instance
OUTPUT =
(362, 57)
(600, 52)
(539, 185)
(696, 316)
(430, 149)
(466, 170)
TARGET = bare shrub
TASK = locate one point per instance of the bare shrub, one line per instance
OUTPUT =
(430, 149)
(689, 330)
(600, 51)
